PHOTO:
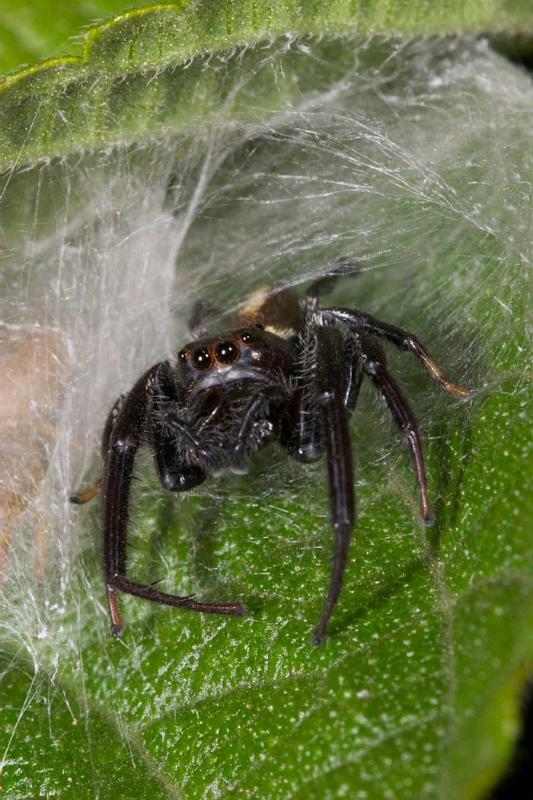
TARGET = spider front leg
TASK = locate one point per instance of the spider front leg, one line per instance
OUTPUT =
(375, 365)
(336, 437)
(86, 495)
(126, 436)
(361, 322)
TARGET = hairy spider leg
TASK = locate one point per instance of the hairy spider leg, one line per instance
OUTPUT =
(303, 436)
(335, 270)
(375, 365)
(336, 437)
(85, 495)
(354, 371)
(304, 440)
(126, 436)
(365, 323)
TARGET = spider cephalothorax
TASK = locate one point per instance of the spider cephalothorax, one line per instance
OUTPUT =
(284, 368)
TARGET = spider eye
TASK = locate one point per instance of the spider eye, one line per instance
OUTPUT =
(246, 337)
(182, 355)
(201, 358)
(226, 352)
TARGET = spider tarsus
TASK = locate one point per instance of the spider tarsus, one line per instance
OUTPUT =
(429, 519)
(117, 623)
(80, 498)
(459, 391)
(240, 469)
(319, 636)
(234, 610)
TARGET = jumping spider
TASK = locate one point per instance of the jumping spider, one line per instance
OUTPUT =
(284, 369)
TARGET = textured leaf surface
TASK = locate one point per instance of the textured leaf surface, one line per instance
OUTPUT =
(40, 29)
(129, 63)
(393, 154)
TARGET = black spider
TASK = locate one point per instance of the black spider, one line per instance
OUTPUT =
(284, 369)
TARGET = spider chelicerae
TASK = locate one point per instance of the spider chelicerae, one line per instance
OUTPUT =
(283, 369)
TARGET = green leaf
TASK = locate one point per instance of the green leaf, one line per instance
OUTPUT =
(57, 733)
(129, 64)
(42, 29)
(411, 157)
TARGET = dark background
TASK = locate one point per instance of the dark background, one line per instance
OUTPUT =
(517, 783)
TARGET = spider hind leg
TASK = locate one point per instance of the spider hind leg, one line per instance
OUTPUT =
(332, 273)
(336, 437)
(361, 322)
(375, 367)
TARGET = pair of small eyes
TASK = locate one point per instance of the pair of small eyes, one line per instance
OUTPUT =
(225, 353)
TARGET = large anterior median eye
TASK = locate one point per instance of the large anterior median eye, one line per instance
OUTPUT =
(201, 358)
(227, 352)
